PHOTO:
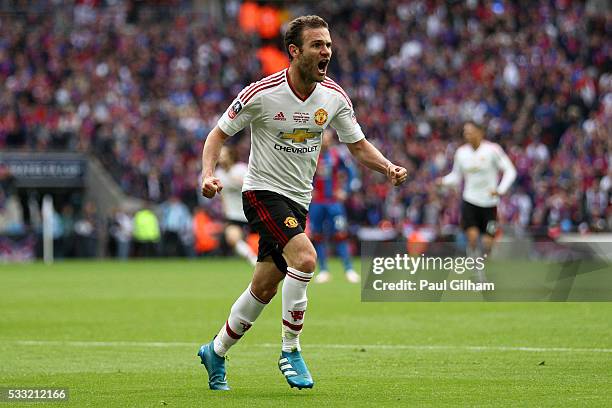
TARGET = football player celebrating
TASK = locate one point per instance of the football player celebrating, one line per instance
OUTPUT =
(287, 113)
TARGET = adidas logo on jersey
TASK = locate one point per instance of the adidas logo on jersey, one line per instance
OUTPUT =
(279, 116)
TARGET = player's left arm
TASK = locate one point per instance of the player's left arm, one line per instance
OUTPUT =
(350, 133)
(509, 171)
(368, 155)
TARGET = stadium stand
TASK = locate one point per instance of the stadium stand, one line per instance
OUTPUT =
(140, 91)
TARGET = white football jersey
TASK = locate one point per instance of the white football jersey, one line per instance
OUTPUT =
(231, 195)
(286, 132)
(480, 168)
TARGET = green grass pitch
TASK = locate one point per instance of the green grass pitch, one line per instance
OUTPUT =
(126, 335)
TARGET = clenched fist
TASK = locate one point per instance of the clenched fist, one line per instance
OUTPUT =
(396, 174)
(211, 186)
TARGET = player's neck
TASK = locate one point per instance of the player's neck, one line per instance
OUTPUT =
(299, 85)
(476, 145)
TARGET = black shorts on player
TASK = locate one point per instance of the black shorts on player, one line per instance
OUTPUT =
(276, 219)
(483, 218)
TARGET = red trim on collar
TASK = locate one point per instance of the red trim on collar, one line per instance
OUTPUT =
(293, 89)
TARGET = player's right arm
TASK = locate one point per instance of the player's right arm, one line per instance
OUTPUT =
(240, 113)
(211, 185)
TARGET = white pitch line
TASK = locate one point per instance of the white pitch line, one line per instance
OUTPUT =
(457, 348)
(323, 346)
(98, 343)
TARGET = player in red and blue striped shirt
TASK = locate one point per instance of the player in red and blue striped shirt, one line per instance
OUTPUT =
(327, 213)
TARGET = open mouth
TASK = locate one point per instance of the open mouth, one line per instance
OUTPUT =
(323, 66)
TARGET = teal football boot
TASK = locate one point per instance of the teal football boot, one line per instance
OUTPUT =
(293, 367)
(215, 366)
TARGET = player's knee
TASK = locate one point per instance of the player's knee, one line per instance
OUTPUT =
(472, 234)
(306, 261)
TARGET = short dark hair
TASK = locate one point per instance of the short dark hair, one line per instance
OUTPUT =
(296, 27)
(479, 126)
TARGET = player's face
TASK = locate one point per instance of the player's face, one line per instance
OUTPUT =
(471, 134)
(315, 54)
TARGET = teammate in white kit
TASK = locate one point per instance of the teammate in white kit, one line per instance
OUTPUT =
(287, 112)
(479, 163)
(231, 175)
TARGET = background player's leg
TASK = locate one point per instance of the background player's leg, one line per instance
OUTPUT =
(234, 238)
(490, 229)
(479, 275)
(471, 222)
(487, 243)
(340, 235)
(317, 229)
(301, 260)
(472, 234)
(343, 251)
(249, 305)
(321, 248)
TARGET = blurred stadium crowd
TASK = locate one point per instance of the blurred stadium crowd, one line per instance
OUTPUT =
(140, 87)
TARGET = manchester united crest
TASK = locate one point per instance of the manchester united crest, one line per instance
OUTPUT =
(291, 222)
(320, 116)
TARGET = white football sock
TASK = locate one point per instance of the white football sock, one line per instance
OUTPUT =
(294, 306)
(244, 250)
(244, 312)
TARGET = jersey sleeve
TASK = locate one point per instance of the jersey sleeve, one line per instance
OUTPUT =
(346, 124)
(239, 114)
(504, 164)
(454, 177)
